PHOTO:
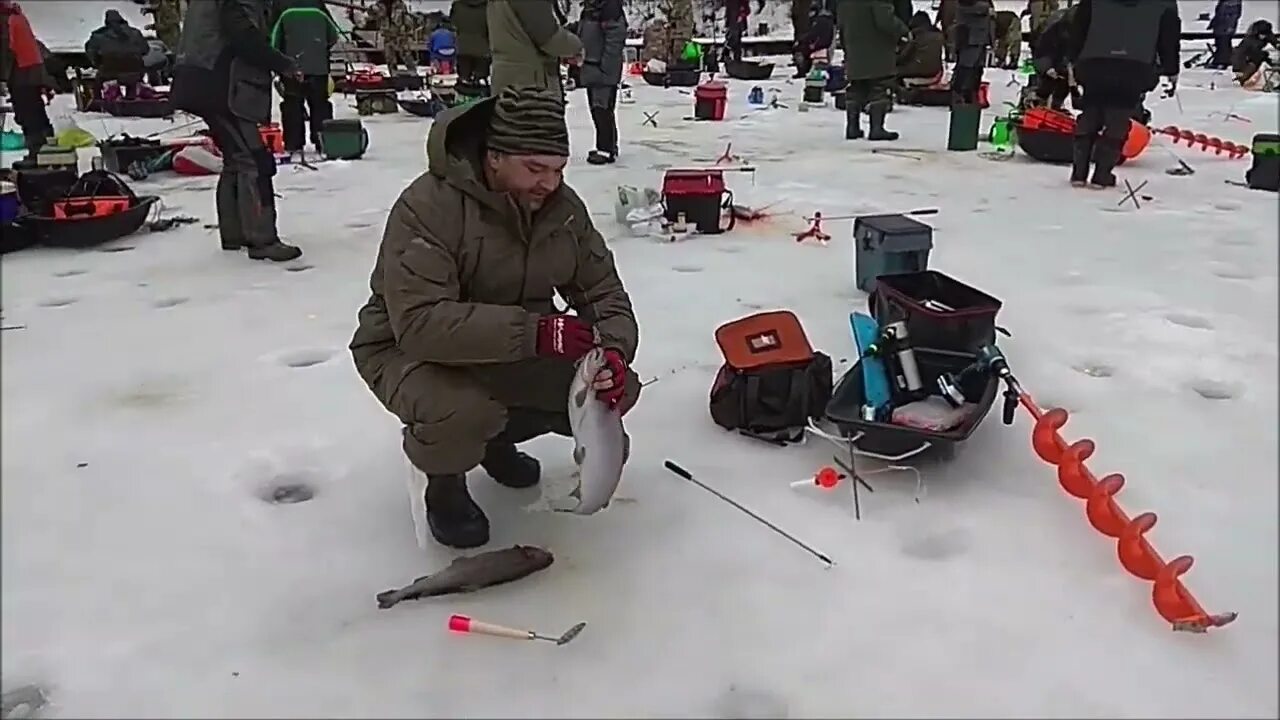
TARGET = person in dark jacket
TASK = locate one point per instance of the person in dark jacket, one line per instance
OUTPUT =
(116, 50)
(468, 17)
(820, 36)
(974, 32)
(1252, 51)
(22, 70)
(921, 56)
(869, 32)
(1052, 74)
(736, 13)
(304, 31)
(946, 20)
(223, 75)
(1117, 49)
(602, 28)
(1225, 22)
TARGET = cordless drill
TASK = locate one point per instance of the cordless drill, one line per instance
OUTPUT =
(990, 361)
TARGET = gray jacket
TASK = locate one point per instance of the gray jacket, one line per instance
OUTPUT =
(602, 47)
(305, 31)
(224, 60)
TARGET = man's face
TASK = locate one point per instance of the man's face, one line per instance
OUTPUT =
(530, 179)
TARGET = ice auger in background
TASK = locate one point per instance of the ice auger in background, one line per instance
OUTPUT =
(1172, 600)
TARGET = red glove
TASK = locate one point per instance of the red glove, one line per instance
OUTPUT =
(611, 382)
(564, 336)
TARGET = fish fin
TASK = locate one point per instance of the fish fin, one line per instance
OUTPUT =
(580, 398)
(579, 454)
(388, 598)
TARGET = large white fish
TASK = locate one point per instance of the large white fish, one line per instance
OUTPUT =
(600, 445)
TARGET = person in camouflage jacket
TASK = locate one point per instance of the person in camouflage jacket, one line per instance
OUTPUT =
(399, 34)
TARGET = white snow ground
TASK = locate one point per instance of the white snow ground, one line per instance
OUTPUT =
(154, 395)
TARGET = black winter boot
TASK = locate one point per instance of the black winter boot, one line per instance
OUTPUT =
(277, 251)
(1105, 156)
(1081, 154)
(454, 518)
(853, 121)
(601, 157)
(876, 112)
(510, 467)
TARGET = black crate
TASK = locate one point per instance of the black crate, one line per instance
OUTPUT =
(885, 438)
(118, 158)
(940, 311)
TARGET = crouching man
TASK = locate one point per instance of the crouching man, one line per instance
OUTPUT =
(461, 338)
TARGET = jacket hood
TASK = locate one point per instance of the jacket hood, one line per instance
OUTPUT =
(920, 21)
(455, 148)
(113, 17)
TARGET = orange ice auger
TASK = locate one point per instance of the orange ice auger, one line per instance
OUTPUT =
(1205, 143)
(1171, 598)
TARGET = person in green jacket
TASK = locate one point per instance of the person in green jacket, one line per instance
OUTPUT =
(528, 42)
(472, 25)
(869, 33)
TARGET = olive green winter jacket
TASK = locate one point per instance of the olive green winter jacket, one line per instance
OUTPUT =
(462, 275)
(469, 18)
(528, 42)
(869, 33)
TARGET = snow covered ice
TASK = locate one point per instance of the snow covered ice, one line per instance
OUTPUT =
(201, 498)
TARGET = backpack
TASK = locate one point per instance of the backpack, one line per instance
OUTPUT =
(772, 381)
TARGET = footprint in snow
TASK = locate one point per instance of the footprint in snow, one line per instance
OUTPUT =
(169, 302)
(73, 272)
(937, 546)
(1189, 320)
(1094, 369)
(306, 357)
(59, 302)
(750, 703)
(1210, 389)
(1229, 272)
(287, 490)
(687, 269)
(116, 248)
(298, 268)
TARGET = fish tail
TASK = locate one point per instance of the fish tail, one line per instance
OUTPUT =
(388, 598)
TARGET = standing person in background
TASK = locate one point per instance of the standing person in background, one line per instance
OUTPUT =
(1117, 49)
(1040, 11)
(821, 36)
(1008, 49)
(736, 13)
(304, 31)
(801, 15)
(469, 18)
(167, 21)
(603, 29)
(947, 21)
(398, 27)
(973, 35)
(223, 75)
(528, 43)
(1225, 22)
(680, 27)
(22, 71)
(869, 32)
(1052, 82)
(116, 50)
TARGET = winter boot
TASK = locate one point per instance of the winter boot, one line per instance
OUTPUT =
(1105, 156)
(601, 157)
(277, 251)
(853, 121)
(454, 518)
(876, 112)
(1081, 153)
(510, 467)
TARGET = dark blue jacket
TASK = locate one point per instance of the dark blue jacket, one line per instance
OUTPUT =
(1226, 17)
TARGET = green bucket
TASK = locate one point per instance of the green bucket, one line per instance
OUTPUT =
(1002, 133)
(12, 141)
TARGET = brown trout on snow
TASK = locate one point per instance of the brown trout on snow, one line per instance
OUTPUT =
(467, 574)
(600, 445)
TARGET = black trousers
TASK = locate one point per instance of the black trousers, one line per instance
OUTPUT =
(309, 98)
(1053, 91)
(245, 196)
(473, 68)
(965, 82)
(29, 112)
(603, 102)
(1103, 125)
(1221, 52)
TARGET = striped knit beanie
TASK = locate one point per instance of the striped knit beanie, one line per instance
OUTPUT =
(529, 121)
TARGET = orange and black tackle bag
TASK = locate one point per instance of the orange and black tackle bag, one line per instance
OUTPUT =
(772, 381)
